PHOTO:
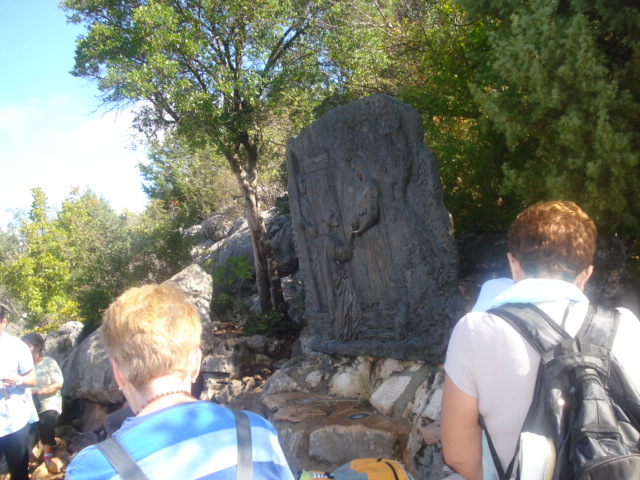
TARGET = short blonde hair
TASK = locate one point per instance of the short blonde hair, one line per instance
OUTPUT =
(151, 331)
(556, 239)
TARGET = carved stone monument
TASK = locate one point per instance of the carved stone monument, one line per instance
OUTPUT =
(373, 235)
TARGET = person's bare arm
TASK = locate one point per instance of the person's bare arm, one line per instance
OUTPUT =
(461, 435)
(51, 388)
(28, 379)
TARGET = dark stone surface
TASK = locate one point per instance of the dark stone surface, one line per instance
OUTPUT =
(374, 240)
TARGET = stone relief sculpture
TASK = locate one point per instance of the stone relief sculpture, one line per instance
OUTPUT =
(345, 312)
(381, 271)
(309, 225)
(367, 200)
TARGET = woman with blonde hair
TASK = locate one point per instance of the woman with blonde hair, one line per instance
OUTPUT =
(152, 336)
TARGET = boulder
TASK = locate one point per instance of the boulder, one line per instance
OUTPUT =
(58, 344)
(87, 370)
(87, 373)
(352, 380)
(238, 244)
(337, 444)
(386, 396)
(198, 285)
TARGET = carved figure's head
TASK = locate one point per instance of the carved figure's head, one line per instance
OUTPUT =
(302, 186)
(331, 219)
(359, 166)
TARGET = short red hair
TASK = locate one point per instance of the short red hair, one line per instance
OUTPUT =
(553, 239)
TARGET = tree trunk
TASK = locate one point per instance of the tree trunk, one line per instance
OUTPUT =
(266, 264)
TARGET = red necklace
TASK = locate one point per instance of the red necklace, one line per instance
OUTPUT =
(166, 394)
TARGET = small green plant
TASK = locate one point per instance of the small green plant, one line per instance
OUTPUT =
(282, 205)
(271, 324)
(224, 304)
(235, 271)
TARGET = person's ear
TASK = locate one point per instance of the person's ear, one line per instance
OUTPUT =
(197, 361)
(582, 278)
(117, 374)
(516, 270)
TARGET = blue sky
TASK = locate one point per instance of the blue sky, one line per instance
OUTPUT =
(52, 134)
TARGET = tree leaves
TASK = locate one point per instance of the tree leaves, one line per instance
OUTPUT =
(558, 87)
(71, 264)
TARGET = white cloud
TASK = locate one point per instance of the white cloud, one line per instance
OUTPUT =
(14, 118)
(52, 145)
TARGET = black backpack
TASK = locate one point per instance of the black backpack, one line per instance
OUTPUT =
(584, 406)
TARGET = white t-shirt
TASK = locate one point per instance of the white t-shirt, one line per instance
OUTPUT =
(489, 360)
(15, 359)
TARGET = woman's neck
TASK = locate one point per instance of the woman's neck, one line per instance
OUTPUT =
(159, 393)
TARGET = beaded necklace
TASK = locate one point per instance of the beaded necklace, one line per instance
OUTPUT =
(165, 394)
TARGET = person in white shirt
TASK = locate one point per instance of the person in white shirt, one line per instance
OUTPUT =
(431, 433)
(490, 369)
(16, 373)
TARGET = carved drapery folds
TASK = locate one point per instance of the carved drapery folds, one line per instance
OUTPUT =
(373, 235)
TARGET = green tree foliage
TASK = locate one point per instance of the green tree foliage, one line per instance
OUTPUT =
(9, 243)
(110, 253)
(40, 277)
(563, 85)
(96, 245)
(157, 249)
(72, 264)
(194, 183)
(425, 54)
(216, 72)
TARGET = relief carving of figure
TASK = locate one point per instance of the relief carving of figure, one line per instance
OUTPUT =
(368, 199)
(344, 308)
(308, 224)
(377, 258)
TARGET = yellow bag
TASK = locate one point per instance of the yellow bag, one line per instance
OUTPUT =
(362, 469)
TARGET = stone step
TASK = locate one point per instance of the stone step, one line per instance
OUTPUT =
(322, 432)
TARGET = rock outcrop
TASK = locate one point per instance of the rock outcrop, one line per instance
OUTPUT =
(59, 344)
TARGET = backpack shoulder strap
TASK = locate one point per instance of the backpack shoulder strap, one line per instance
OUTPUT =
(120, 459)
(535, 326)
(494, 454)
(245, 449)
(543, 334)
(128, 469)
(600, 326)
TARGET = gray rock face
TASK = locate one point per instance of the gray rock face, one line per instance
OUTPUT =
(59, 344)
(238, 244)
(373, 235)
(87, 373)
(196, 283)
